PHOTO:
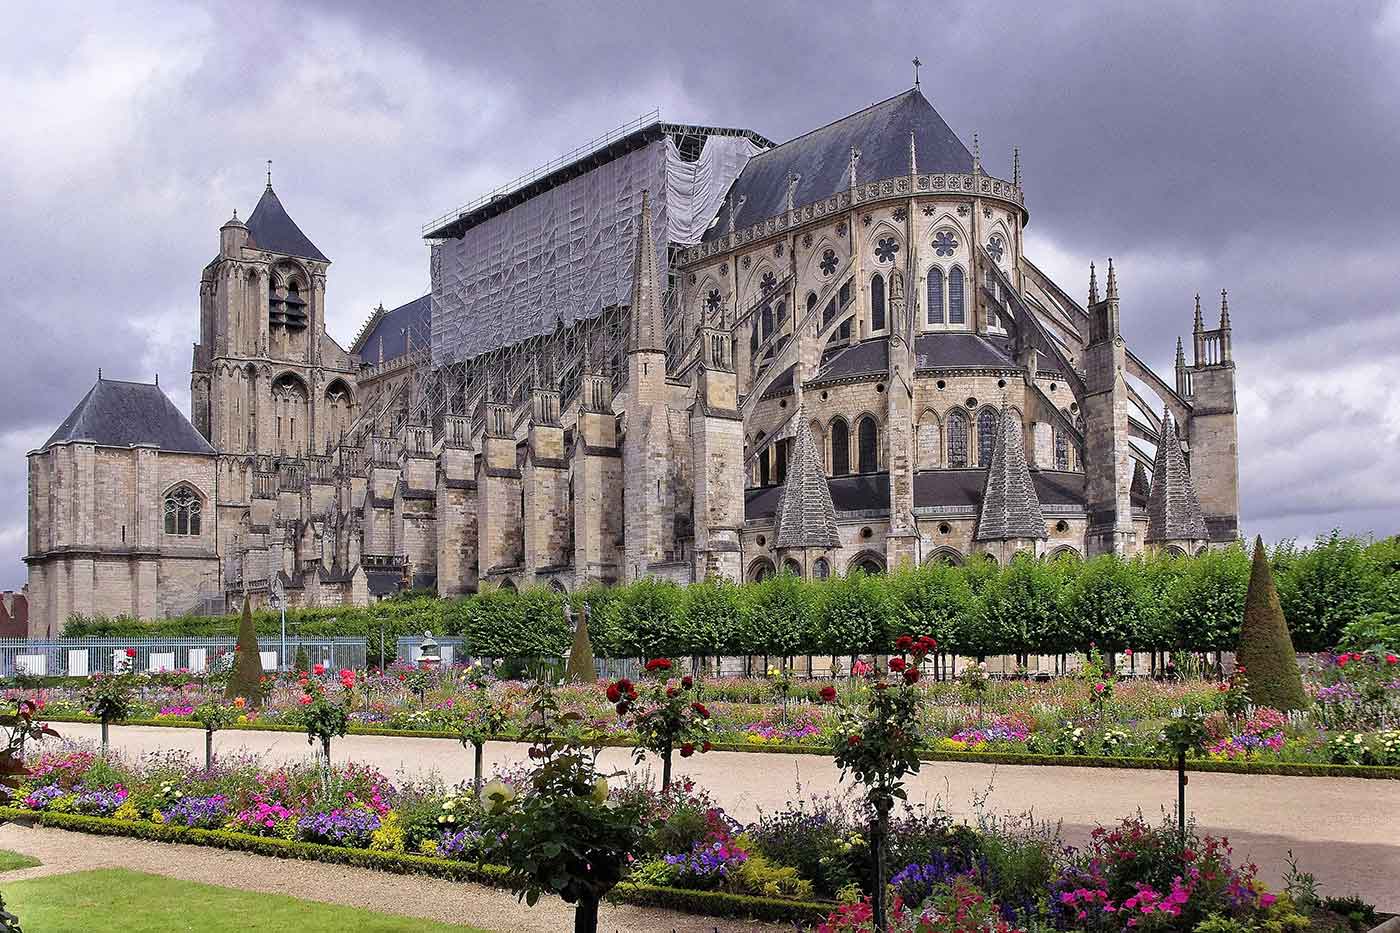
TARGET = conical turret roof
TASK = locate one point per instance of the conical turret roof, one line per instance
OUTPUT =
(1010, 505)
(270, 228)
(806, 516)
(648, 330)
(1173, 508)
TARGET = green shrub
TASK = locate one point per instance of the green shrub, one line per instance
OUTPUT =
(1324, 588)
(1266, 652)
(246, 679)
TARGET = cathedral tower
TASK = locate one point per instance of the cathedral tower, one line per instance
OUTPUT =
(1213, 429)
(1108, 465)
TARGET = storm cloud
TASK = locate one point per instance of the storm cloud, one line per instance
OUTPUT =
(1204, 146)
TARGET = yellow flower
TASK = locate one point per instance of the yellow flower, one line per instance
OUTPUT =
(496, 796)
(600, 790)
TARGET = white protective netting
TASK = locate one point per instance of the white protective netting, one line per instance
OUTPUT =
(566, 254)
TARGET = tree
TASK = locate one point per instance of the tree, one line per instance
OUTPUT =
(855, 614)
(246, 679)
(1204, 604)
(778, 616)
(301, 664)
(1266, 650)
(932, 600)
(1106, 604)
(1020, 609)
(581, 667)
(714, 610)
(1326, 587)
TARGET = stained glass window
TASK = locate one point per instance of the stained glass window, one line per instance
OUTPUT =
(986, 436)
(956, 313)
(935, 295)
(867, 442)
(957, 439)
(769, 281)
(945, 243)
(1061, 450)
(182, 508)
(828, 264)
(885, 250)
(780, 313)
(767, 322)
(840, 448)
(877, 302)
(996, 246)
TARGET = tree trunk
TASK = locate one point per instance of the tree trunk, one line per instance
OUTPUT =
(477, 748)
(1181, 795)
(208, 749)
(878, 834)
(666, 768)
(586, 915)
(104, 738)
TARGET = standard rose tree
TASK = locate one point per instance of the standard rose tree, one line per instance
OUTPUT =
(664, 713)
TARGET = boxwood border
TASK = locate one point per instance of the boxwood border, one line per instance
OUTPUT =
(1245, 766)
(707, 903)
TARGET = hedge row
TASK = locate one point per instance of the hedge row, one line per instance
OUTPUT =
(1028, 607)
(1227, 766)
(710, 903)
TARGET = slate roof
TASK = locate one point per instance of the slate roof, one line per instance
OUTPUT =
(1010, 506)
(962, 351)
(416, 316)
(822, 158)
(119, 414)
(1173, 508)
(867, 358)
(806, 516)
(271, 229)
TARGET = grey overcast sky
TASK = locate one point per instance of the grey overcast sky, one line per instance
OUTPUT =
(1248, 146)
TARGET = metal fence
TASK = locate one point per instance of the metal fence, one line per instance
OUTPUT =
(79, 657)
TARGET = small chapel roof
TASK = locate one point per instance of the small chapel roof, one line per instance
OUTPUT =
(822, 158)
(1173, 508)
(1010, 506)
(806, 516)
(394, 328)
(271, 229)
(122, 414)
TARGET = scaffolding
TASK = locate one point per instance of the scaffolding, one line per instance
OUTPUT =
(535, 276)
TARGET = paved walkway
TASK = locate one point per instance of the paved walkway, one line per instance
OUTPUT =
(410, 895)
(1344, 830)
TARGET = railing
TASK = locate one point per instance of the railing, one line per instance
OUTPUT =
(80, 657)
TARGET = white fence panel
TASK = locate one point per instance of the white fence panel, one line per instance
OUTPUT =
(77, 662)
(162, 661)
(269, 660)
(35, 665)
(198, 660)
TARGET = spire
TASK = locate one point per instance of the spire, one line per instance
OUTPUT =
(1180, 353)
(1224, 310)
(1173, 508)
(976, 155)
(1016, 166)
(913, 149)
(806, 516)
(1200, 324)
(1140, 488)
(1010, 505)
(1093, 286)
(1111, 290)
(647, 331)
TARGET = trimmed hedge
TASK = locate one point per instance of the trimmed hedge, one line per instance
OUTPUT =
(1239, 766)
(709, 903)
(1029, 607)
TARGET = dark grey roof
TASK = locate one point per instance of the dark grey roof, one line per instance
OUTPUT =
(848, 494)
(1173, 509)
(822, 158)
(867, 358)
(414, 317)
(270, 229)
(965, 487)
(806, 516)
(120, 414)
(961, 351)
(782, 383)
(384, 582)
(1010, 506)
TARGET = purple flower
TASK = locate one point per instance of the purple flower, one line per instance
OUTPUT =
(342, 827)
(205, 812)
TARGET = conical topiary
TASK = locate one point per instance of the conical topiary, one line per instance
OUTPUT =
(1266, 650)
(581, 667)
(246, 676)
(302, 664)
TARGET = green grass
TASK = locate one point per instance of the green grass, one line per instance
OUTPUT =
(121, 901)
(10, 861)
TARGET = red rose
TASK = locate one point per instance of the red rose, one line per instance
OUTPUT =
(700, 710)
(828, 694)
(131, 652)
(928, 641)
(624, 685)
(614, 694)
(671, 691)
(853, 740)
(896, 664)
(305, 699)
(911, 676)
(659, 664)
(687, 681)
(318, 669)
(706, 746)
(1128, 652)
(622, 709)
(631, 695)
(904, 642)
(687, 750)
(536, 753)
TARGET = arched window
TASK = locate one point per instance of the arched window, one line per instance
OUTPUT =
(182, 508)
(986, 436)
(956, 313)
(764, 472)
(930, 441)
(935, 295)
(821, 569)
(867, 563)
(1061, 449)
(760, 570)
(783, 450)
(840, 448)
(867, 443)
(780, 314)
(753, 338)
(811, 301)
(767, 321)
(829, 312)
(957, 439)
(793, 567)
(877, 302)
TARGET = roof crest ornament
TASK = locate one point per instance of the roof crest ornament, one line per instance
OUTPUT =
(916, 64)
(269, 173)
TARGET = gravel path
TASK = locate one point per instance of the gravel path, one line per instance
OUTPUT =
(411, 895)
(1344, 830)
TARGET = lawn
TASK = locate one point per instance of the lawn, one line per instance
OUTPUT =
(122, 901)
(10, 861)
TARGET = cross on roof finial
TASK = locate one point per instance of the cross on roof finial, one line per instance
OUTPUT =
(917, 64)
(269, 173)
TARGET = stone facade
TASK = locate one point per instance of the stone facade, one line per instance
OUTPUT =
(859, 316)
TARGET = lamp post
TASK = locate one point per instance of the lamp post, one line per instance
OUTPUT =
(277, 596)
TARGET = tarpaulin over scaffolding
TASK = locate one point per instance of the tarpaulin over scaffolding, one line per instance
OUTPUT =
(565, 254)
